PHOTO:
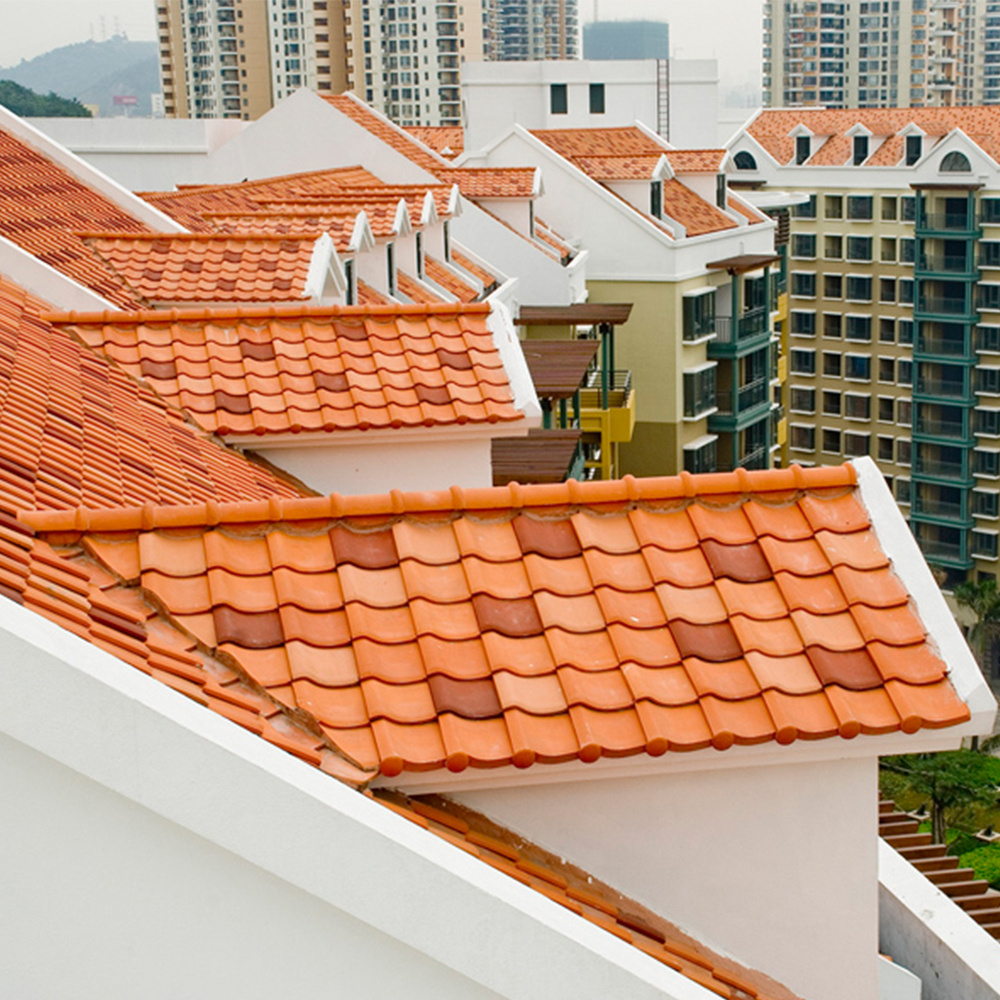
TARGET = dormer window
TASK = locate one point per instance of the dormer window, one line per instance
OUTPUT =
(803, 148)
(351, 279)
(446, 241)
(419, 241)
(744, 161)
(531, 219)
(721, 199)
(860, 149)
(956, 163)
(656, 199)
(390, 265)
(914, 149)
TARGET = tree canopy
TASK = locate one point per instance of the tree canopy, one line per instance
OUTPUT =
(27, 103)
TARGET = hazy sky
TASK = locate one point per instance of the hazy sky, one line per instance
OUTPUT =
(728, 30)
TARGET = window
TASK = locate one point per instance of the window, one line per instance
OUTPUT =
(859, 248)
(860, 149)
(904, 412)
(803, 323)
(887, 250)
(833, 206)
(859, 288)
(833, 286)
(833, 247)
(886, 410)
(907, 249)
(904, 329)
(832, 364)
(886, 448)
(989, 253)
(859, 327)
(742, 160)
(860, 207)
(801, 399)
(887, 290)
(656, 199)
(804, 245)
(597, 99)
(904, 450)
(986, 462)
(856, 444)
(351, 280)
(956, 163)
(914, 148)
(886, 330)
(989, 296)
(558, 99)
(803, 284)
(857, 406)
(902, 489)
(701, 457)
(803, 438)
(831, 403)
(419, 245)
(986, 422)
(858, 367)
(984, 544)
(807, 210)
(987, 381)
(446, 237)
(831, 440)
(986, 503)
(887, 370)
(904, 372)
(721, 191)
(699, 314)
(832, 325)
(988, 338)
(803, 148)
(989, 209)
(907, 208)
(699, 390)
(905, 289)
(802, 361)
(889, 208)
(390, 267)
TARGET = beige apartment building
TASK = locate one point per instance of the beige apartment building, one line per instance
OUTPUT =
(894, 307)
(237, 58)
(881, 53)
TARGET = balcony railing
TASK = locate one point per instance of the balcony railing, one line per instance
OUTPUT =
(953, 222)
(940, 388)
(936, 427)
(935, 549)
(941, 346)
(939, 305)
(955, 510)
(747, 396)
(756, 459)
(750, 324)
(600, 393)
(940, 467)
(946, 263)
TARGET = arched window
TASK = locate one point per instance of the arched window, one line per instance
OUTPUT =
(744, 161)
(956, 163)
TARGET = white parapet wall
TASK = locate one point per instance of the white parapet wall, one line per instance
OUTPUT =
(927, 933)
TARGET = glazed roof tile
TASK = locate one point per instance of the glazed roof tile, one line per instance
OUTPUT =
(445, 140)
(280, 370)
(196, 267)
(41, 207)
(772, 130)
(560, 619)
(77, 430)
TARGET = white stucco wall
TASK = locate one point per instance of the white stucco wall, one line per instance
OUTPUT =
(374, 466)
(775, 865)
(694, 103)
(105, 900)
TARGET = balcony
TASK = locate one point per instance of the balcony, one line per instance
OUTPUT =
(756, 459)
(952, 265)
(963, 222)
(948, 390)
(939, 305)
(749, 332)
(608, 409)
(945, 552)
(934, 508)
(746, 398)
(943, 344)
(950, 471)
(940, 429)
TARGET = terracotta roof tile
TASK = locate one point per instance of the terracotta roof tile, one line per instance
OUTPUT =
(451, 282)
(199, 267)
(272, 370)
(492, 182)
(556, 615)
(42, 204)
(76, 430)
(772, 130)
(445, 140)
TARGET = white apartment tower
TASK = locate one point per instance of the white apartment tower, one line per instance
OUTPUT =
(521, 30)
(881, 53)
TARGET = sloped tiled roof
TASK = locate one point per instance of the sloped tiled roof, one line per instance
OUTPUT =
(450, 281)
(42, 205)
(340, 227)
(625, 141)
(76, 430)
(584, 895)
(771, 129)
(198, 267)
(445, 140)
(490, 281)
(544, 624)
(623, 167)
(692, 211)
(288, 370)
(492, 182)
(696, 161)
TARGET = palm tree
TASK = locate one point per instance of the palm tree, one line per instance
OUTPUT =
(983, 600)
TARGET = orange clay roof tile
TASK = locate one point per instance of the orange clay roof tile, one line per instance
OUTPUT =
(41, 204)
(76, 430)
(492, 182)
(772, 130)
(207, 268)
(548, 616)
(444, 276)
(445, 140)
(288, 370)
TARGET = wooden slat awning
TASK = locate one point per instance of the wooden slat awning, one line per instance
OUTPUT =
(744, 262)
(578, 314)
(558, 366)
(544, 456)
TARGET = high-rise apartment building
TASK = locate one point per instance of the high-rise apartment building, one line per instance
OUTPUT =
(531, 29)
(894, 307)
(237, 58)
(881, 53)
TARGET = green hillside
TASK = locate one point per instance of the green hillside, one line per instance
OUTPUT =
(25, 102)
